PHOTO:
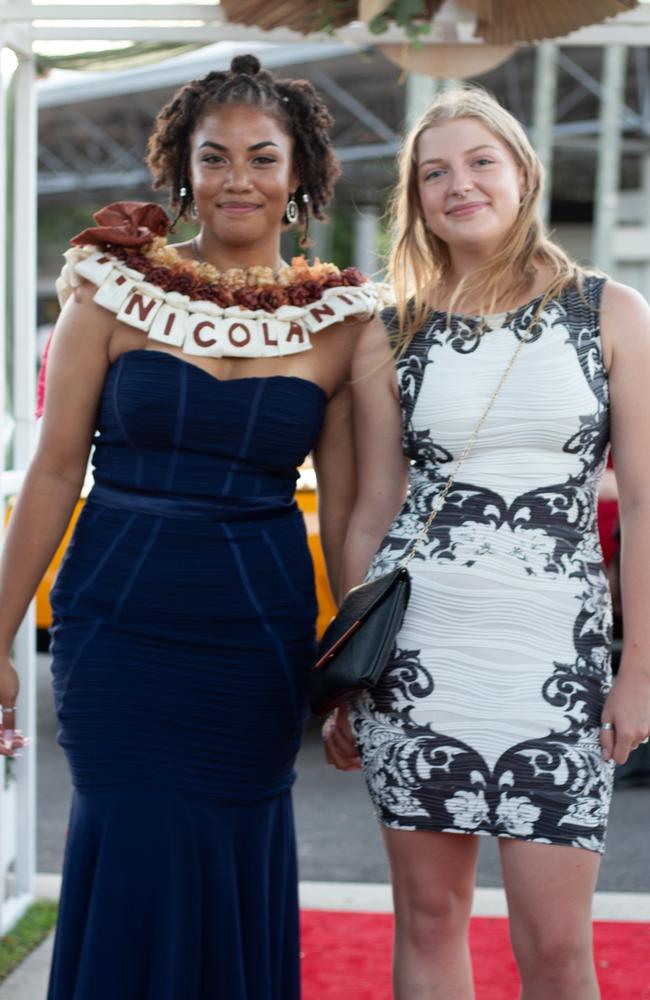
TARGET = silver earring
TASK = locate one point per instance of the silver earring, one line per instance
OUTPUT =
(291, 210)
(182, 192)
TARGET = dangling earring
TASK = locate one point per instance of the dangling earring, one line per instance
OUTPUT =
(305, 201)
(185, 192)
(291, 211)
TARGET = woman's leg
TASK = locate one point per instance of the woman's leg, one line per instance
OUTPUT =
(550, 891)
(433, 884)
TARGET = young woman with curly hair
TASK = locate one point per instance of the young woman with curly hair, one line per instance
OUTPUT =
(184, 612)
(497, 715)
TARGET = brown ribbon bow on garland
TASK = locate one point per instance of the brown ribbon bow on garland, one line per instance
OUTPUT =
(125, 224)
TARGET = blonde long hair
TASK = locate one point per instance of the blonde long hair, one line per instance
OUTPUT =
(419, 259)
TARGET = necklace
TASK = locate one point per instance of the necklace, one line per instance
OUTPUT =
(196, 253)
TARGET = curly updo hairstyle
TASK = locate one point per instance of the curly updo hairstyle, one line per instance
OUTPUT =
(294, 103)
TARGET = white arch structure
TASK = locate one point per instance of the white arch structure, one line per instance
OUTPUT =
(23, 23)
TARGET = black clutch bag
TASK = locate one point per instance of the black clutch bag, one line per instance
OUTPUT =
(357, 644)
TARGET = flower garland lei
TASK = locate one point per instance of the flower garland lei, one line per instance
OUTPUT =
(242, 312)
(251, 312)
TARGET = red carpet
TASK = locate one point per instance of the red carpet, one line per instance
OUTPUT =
(347, 956)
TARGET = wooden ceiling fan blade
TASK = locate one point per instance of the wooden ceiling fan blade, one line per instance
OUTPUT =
(499, 22)
(304, 17)
(505, 21)
(369, 9)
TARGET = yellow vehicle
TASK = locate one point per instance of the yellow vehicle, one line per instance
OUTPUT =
(308, 503)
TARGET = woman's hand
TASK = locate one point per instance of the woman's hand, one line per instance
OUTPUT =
(11, 739)
(340, 744)
(627, 710)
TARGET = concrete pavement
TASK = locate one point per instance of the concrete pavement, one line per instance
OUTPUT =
(29, 981)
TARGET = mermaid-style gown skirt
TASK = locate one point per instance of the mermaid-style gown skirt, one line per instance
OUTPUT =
(183, 633)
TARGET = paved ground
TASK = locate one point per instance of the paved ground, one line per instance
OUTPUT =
(337, 835)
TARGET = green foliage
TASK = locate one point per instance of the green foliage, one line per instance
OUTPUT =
(30, 930)
(10, 771)
(410, 15)
(342, 219)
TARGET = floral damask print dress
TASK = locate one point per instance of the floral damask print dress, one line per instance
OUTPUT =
(487, 718)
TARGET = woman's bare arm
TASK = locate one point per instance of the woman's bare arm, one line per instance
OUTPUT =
(77, 367)
(335, 471)
(381, 466)
(382, 479)
(626, 341)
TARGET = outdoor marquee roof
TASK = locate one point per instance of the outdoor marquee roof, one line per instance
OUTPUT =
(91, 139)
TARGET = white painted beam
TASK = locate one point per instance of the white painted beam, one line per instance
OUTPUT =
(24, 376)
(3, 288)
(631, 244)
(609, 155)
(366, 239)
(173, 72)
(419, 95)
(111, 12)
(544, 97)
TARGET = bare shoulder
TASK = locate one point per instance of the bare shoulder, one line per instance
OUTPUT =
(82, 302)
(83, 323)
(373, 363)
(374, 341)
(624, 322)
(623, 301)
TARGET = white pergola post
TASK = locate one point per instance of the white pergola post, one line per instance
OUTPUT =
(366, 239)
(18, 794)
(24, 381)
(544, 95)
(3, 261)
(420, 92)
(645, 221)
(609, 155)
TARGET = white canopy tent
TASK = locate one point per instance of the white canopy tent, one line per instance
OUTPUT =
(24, 25)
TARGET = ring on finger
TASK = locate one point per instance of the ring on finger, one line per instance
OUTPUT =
(7, 709)
(607, 725)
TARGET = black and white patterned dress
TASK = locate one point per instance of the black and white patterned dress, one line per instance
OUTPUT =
(487, 719)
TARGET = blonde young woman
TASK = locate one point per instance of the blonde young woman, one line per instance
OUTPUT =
(497, 715)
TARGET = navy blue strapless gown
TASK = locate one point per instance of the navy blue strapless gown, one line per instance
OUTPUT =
(183, 633)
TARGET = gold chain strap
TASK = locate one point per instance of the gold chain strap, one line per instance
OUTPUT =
(424, 531)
